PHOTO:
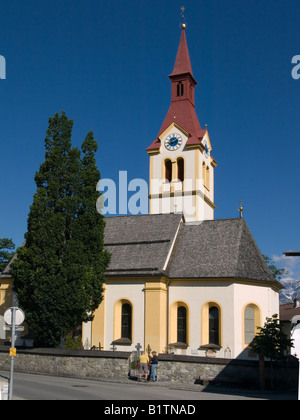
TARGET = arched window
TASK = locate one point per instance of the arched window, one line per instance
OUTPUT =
(168, 170)
(179, 328)
(180, 169)
(214, 325)
(181, 324)
(211, 324)
(204, 173)
(207, 178)
(251, 322)
(126, 321)
(180, 89)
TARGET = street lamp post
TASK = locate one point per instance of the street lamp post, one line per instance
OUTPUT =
(295, 254)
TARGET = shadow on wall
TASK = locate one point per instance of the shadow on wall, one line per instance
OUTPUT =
(219, 373)
(248, 375)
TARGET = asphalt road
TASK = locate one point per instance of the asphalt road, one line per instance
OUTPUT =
(38, 387)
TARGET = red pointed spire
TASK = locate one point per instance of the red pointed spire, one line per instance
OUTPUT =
(182, 109)
(182, 62)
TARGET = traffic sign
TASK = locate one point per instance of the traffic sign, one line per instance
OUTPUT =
(8, 328)
(19, 316)
(12, 352)
(14, 317)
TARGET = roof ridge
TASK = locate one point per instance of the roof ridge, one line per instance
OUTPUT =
(212, 221)
(141, 215)
(155, 241)
(172, 247)
(242, 225)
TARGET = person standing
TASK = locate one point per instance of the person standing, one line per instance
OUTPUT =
(154, 364)
(144, 360)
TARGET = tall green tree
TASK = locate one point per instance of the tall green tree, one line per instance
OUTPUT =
(277, 273)
(6, 252)
(59, 273)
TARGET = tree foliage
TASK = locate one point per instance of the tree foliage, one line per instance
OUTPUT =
(6, 252)
(271, 342)
(59, 273)
(277, 273)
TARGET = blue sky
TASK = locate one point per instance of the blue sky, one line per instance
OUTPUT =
(106, 62)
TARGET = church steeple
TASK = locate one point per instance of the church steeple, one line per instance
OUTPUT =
(181, 166)
(182, 108)
(182, 62)
(182, 79)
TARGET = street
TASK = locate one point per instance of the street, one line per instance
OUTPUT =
(39, 387)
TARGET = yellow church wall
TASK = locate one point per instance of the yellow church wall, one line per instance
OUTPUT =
(231, 297)
(150, 181)
(155, 302)
(156, 313)
(199, 295)
(263, 298)
(148, 299)
(7, 301)
(120, 291)
(5, 294)
(98, 324)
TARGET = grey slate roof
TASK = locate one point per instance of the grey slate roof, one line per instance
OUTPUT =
(162, 244)
(218, 249)
(140, 245)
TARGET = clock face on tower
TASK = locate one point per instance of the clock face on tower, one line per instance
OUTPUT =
(173, 141)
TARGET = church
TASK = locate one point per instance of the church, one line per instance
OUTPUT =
(180, 281)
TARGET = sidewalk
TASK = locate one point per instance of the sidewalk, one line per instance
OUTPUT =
(3, 389)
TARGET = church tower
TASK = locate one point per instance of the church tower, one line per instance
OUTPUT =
(181, 164)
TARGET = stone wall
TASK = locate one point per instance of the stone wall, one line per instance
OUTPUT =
(242, 373)
(206, 370)
(69, 363)
(172, 368)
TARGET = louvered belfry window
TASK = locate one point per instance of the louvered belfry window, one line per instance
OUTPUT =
(180, 169)
(168, 170)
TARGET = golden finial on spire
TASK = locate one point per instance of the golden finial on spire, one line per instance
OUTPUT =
(241, 209)
(183, 25)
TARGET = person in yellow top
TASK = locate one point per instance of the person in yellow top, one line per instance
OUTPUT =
(144, 360)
